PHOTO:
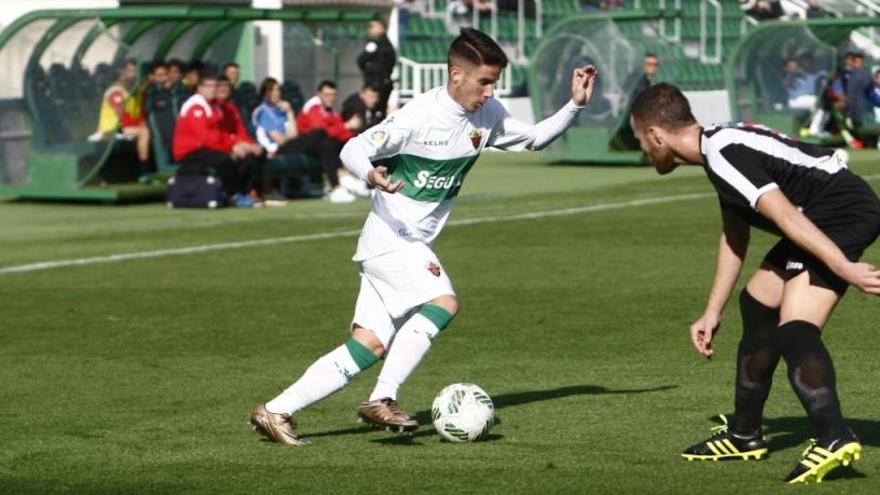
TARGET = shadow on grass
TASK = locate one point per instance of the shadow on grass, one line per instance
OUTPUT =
(791, 431)
(501, 401)
(794, 431)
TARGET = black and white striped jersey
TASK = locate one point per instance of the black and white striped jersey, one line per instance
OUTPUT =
(744, 160)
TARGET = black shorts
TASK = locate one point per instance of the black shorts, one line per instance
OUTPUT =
(851, 221)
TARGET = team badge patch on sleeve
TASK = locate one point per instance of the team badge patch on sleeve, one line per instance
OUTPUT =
(434, 269)
(378, 137)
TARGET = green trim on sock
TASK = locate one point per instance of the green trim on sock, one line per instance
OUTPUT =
(437, 315)
(362, 356)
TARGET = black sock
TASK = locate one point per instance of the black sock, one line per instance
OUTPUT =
(811, 374)
(756, 361)
(145, 167)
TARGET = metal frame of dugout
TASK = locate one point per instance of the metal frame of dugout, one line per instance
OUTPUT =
(44, 153)
(754, 71)
(616, 43)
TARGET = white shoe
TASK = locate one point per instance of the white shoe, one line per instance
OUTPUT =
(341, 195)
(354, 185)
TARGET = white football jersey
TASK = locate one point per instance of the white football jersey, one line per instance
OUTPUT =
(430, 144)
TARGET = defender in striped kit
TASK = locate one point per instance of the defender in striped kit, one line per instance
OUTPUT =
(826, 216)
(417, 159)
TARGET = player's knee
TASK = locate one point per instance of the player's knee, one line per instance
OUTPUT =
(369, 340)
(448, 302)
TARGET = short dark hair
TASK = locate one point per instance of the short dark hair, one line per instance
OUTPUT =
(371, 86)
(663, 105)
(157, 65)
(176, 62)
(230, 64)
(196, 65)
(326, 83)
(266, 86)
(477, 48)
(206, 76)
(223, 79)
(652, 55)
(380, 21)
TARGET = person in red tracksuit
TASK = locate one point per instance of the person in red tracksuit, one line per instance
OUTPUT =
(318, 115)
(231, 121)
(201, 144)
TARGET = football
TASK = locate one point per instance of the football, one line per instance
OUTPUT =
(463, 412)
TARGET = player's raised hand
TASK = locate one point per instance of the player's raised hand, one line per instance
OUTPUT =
(864, 276)
(583, 81)
(702, 332)
(380, 179)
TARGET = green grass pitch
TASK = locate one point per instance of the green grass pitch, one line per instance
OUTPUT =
(138, 376)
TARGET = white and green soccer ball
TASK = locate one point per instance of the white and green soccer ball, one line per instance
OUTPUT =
(463, 412)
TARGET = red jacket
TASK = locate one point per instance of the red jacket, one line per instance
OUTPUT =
(231, 122)
(315, 116)
(199, 127)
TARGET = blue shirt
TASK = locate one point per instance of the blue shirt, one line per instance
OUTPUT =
(874, 95)
(269, 118)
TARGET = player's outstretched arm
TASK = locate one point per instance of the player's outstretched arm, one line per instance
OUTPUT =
(515, 135)
(796, 226)
(732, 249)
(583, 82)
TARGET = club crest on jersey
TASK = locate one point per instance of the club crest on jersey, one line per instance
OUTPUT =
(434, 269)
(476, 138)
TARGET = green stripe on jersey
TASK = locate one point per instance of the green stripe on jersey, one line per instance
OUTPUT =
(427, 179)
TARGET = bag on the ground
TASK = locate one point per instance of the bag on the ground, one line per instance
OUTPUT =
(195, 191)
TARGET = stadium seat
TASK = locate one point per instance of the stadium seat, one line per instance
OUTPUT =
(246, 98)
(290, 91)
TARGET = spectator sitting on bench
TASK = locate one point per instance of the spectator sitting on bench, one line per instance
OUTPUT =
(122, 113)
(158, 103)
(201, 145)
(277, 133)
(364, 104)
(800, 87)
(193, 73)
(179, 91)
(232, 73)
(232, 123)
(318, 114)
(159, 83)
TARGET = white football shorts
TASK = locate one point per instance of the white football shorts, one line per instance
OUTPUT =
(393, 284)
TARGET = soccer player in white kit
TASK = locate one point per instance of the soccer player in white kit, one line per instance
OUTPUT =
(417, 160)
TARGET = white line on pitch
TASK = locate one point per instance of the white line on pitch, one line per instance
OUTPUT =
(113, 258)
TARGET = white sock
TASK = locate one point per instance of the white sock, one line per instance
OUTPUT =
(327, 375)
(409, 347)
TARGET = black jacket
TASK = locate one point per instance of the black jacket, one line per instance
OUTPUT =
(377, 60)
(354, 106)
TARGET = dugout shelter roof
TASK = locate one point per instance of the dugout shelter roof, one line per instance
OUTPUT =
(758, 86)
(57, 63)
